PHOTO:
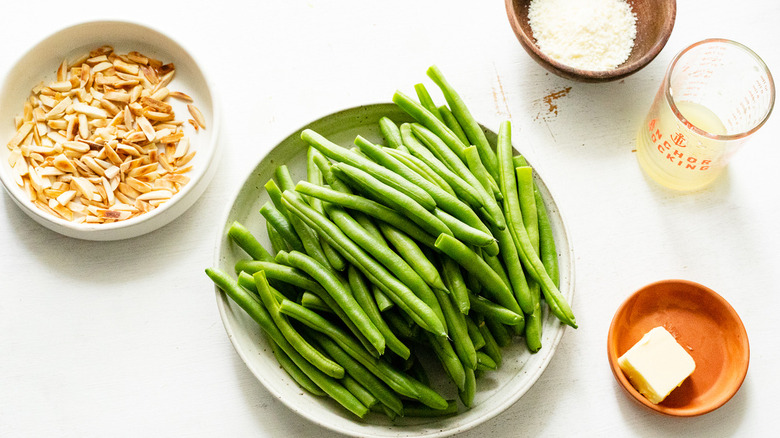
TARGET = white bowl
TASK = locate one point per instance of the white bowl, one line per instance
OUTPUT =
(496, 390)
(40, 64)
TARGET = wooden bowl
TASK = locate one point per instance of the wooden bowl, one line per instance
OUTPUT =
(704, 324)
(655, 20)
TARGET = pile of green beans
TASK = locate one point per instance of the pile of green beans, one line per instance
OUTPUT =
(435, 243)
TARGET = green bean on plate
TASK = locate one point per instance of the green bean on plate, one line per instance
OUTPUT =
(405, 291)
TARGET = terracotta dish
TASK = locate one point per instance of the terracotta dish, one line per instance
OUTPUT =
(655, 20)
(704, 324)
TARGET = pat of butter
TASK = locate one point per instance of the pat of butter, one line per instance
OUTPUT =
(656, 364)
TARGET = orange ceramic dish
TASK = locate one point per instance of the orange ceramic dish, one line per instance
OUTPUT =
(704, 324)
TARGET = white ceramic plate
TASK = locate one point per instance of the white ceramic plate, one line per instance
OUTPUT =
(40, 64)
(496, 390)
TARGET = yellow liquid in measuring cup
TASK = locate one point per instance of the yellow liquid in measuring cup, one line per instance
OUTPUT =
(674, 155)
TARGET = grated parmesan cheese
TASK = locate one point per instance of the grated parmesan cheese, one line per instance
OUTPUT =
(585, 34)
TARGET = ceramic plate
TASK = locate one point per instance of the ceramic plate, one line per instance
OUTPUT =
(496, 390)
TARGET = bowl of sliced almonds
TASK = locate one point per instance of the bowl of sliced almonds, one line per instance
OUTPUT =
(111, 131)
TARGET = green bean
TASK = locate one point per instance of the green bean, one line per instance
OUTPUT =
(508, 243)
(461, 188)
(443, 199)
(276, 271)
(465, 232)
(276, 197)
(314, 176)
(293, 371)
(389, 196)
(282, 225)
(453, 279)
(377, 171)
(499, 331)
(463, 217)
(495, 311)
(457, 165)
(306, 350)
(478, 169)
(399, 325)
(429, 120)
(374, 271)
(277, 241)
(417, 410)
(246, 281)
(284, 178)
(549, 254)
(260, 314)
(426, 101)
(366, 206)
(391, 133)
(525, 187)
(555, 300)
(413, 255)
(421, 169)
(359, 391)
(382, 409)
(466, 120)
(497, 267)
(386, 256)
(360, 373)
(449, 119)
(485, 362)
(313, 302)
(293, 276)
(331, 283)
(363, 297)
(474, 334)
(381, 299)
(246, 241)
(442, 347)
(399, 382)
(459, 333)
(469, 389)
(491, 347)
(474, 264)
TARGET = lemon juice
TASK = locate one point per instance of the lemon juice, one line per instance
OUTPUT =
(676, 156)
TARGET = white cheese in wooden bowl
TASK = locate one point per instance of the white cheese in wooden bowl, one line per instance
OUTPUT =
(593, 35)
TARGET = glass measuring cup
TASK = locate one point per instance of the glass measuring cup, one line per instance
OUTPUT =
(715, 95)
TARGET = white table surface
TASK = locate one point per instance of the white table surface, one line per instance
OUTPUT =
(124, 338)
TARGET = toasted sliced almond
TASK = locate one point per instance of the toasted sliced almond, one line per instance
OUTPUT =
(61, 86)
(197, 115)
(102, 66)
(20, 135)
(59, 108)
(90, 111)
(146, 127)
(155, 194)
(66, 197)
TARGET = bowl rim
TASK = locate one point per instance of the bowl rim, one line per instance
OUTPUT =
(223, 305)
(138, 225)
(612, 353)
(621, 71)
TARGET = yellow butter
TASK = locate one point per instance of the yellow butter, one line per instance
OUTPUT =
(657, 364)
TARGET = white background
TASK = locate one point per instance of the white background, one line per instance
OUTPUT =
(124, 338)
